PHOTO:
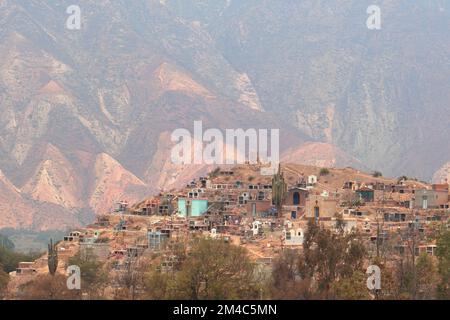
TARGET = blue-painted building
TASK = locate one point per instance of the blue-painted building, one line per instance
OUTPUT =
(156, 239)
(192, 207)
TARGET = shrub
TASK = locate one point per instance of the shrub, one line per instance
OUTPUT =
(377, 174)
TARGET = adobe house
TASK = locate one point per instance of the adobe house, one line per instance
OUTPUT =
(151, 207)
(430, 249)
(430, 199)
(296, 197)
(198, 224)
(348, 185)
(196, 193)
(440, 187)
(73, 236)
(319, 207)
(357, 213)
(379, 186)
(121, 207)
(293, 237)
(203, 182)
(395, 217)
(258, 207)
(25, 268)
(261, 195)
(366, 194)
(165, 207)
(294, 212)
(243, 198)
(401, 188)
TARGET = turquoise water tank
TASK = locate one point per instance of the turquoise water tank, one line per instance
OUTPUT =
(182, 207)
(192, 207)
(198, 207)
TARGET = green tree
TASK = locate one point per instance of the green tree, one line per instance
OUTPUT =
(215, 173)
(389, 282)
(427, 276)
(377, 174)
(5, 242)
(285, 282)
(443, 254)
(159, 285)
(213, 269)
(10, 259)
(330, 256)
(162, 285)
(131, 279)
(4, 279)
(352, 287)
(217, 270)
(47, 287)
(94, 277)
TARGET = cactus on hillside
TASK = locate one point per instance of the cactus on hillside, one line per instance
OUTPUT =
(279, 189)
(52, 258)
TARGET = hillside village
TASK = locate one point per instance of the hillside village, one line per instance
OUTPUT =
(264, 214)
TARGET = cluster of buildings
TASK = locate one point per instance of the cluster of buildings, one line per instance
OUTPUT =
(266, 215)
(240, 203)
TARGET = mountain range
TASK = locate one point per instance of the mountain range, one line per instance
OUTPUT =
(87, 114)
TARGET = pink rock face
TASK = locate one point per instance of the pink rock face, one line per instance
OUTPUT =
(319, 154)
(443, 174)
(86, 115)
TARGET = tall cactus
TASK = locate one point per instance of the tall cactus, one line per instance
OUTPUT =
(52, 258)
(279, 189)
